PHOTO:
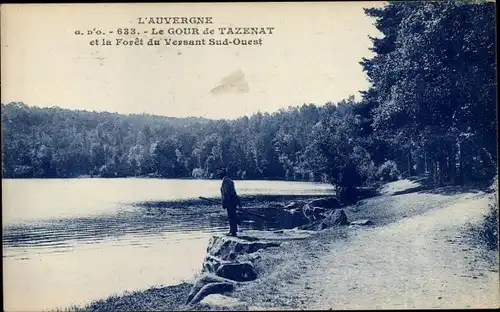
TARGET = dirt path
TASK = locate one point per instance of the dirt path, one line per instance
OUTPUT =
(418, 262)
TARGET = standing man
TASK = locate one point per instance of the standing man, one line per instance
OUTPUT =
(230, 200)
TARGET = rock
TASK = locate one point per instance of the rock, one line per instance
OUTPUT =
(291, 218)
(212, 263)
(313, 213)
(292, 205)
(232, 258)
(313, 226)
(360, 203)
(223, 250)
(223, 246)
(221, 301)
(212, 288)
(204, 280)
(362, 222)
(337, 217)
(326, 202)
(241, 272)
(298, 217)
(308, 212)
(248, 221)
(281, 237)
(318, 211)
(276, 205)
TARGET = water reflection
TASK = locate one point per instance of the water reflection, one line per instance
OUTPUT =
(146, 220)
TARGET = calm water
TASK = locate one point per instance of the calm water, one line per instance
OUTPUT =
(69, 241)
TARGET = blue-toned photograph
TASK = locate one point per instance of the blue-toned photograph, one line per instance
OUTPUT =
(249, 156)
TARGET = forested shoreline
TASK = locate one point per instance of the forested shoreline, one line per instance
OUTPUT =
(430, 109)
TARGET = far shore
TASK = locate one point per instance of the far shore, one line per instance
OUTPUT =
(155, 177)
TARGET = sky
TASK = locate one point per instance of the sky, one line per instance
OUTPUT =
(312, 57)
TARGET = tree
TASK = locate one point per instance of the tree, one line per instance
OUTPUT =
(431, 75)
(165, 158)
(337, 153)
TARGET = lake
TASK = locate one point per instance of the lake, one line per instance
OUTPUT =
(70, 241)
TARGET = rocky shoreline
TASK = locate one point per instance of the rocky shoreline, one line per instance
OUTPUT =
(250, 271)
(230, 261)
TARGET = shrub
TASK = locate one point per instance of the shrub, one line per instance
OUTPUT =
(198, 173)
(23, 171)
(388, 171)
(369, 171)
(107, 171)
(311, 177)
(490, 231)
(289, 174)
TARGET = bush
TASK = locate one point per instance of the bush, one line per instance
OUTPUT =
(311, 177)
(369, 171)
(289, 174)
(242, 174)
(107, 171)
(23, 171)
(388, 171)
(198, 173)
(490, 231)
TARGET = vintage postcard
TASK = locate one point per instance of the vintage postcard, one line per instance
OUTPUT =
(249, 156)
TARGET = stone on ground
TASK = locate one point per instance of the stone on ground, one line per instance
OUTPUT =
(223, 250)
(221, 301)
(313, 226)
(336, 218)
(313, 213)
(326, 202)
(225, 247)
(289, 219)
(362, 222)
(212, 288)
(204, 280)
(241, 272)
(293, 205)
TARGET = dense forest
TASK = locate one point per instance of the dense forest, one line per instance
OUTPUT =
(431, 108)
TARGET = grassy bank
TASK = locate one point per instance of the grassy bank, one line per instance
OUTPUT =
(168, 298)
(486, 233)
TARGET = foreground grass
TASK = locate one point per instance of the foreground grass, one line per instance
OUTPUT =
(485, 234)
(170, 298)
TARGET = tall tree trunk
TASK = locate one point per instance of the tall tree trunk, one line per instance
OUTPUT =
(426, 164)
(434, 172)
(458, 164)
(440, 170)
(448, 173)
(410, 165)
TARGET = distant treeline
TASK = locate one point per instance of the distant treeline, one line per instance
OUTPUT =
(55, 142)
(431, 108)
